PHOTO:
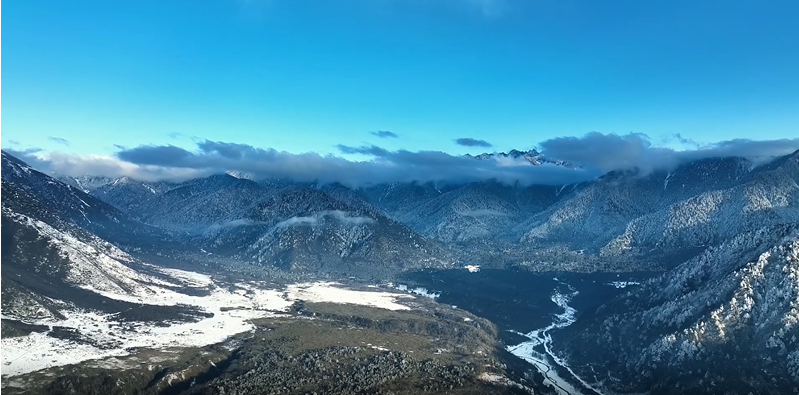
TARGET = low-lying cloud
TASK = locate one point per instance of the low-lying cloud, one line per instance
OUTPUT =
(595, 154)
(238, 222)
(59, 163)
(294, 221)
(615, 152)
(338, 215)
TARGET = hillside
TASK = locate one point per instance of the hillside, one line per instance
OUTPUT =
(723, 321)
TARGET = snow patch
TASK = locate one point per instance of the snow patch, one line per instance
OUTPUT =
(623, 284)
(421, 291)
(330, 292)
(502, 380)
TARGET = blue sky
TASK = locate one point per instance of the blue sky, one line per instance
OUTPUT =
(302, 75)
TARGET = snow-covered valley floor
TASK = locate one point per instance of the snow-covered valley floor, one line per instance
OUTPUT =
(233, 307)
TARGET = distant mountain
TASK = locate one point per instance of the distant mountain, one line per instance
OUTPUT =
(278, 223)
(650, 220)
(624, 219)
(399, 199)
(458, 214)
(123, 193)
(724, 322)
(85, 183)
(195, 205)
(698, 205)
(69, 209)
(743, 200)
(310, 225)
(67, 203)
(591, 215)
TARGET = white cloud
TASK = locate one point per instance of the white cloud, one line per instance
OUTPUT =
(336, 214)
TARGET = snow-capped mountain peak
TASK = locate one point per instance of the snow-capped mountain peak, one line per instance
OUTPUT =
(532, 156)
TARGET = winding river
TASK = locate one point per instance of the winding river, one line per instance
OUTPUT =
(518, 301)
(546, 361)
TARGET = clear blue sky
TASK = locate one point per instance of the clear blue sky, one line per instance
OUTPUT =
(302, 75)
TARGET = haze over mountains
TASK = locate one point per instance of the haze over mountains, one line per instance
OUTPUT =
(720, 230)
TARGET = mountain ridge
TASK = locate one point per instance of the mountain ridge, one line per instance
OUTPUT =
(620, 216)
(713, 324)
(289, 226)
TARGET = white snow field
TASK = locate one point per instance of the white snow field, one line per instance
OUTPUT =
(233, 306)
(329, 292)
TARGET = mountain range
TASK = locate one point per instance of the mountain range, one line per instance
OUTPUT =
(720, 233)
(622, 220)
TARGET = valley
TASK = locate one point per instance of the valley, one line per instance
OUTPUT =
(629, 283)
(547, 363)
(528, 307)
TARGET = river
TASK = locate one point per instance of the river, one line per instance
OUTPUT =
(547, 361)
(528, 307)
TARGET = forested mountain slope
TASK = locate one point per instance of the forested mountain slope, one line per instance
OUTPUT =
(727, 320)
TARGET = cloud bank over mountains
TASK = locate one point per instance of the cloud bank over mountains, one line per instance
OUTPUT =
(595, 154)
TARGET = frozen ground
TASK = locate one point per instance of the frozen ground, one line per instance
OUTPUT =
(233, 307)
